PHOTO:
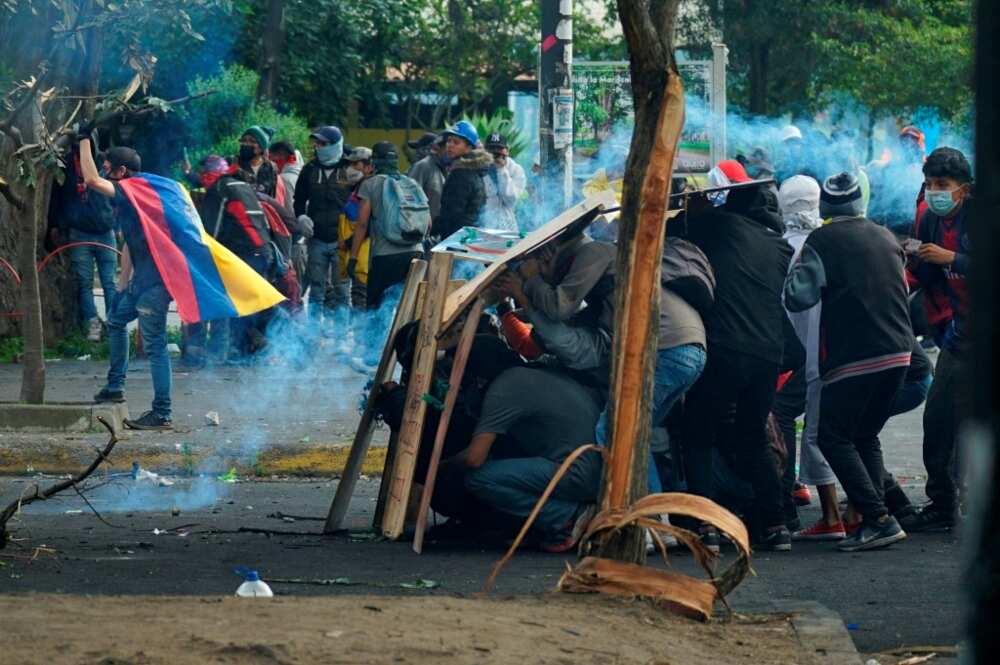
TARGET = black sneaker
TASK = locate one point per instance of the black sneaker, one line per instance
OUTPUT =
(710, 539)
(149, 420)
(870, 536)
(930, 518)
(779, 540)
(116, 396)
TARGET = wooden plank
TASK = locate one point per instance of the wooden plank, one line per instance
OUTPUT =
(590, 207)
(421, 377)
(363, 436)
(383, 486)
(454, 383)
(453, 285)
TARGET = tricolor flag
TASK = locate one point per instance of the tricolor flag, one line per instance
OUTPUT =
(205, 279)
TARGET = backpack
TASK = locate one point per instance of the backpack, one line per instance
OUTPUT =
(686, 271)
(406, 215)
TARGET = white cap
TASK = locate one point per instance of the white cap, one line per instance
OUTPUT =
(788, 133)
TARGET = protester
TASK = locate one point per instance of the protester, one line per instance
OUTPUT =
(288, 161)
(359, 168)
(942, 265)
(855, 269)
(531, 420)
(144, 296)
(83, 217)
(553, 287)
(790, 154)
(463, 195)
(431, 170)
(253, 159)
(233, 215)
(504, 184)
(896, 180)
(394, 213)
(418, 149)
(742, 240)
(321, 193)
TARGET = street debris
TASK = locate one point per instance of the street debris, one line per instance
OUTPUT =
(229, 476)
(140, 476)
(212, 418)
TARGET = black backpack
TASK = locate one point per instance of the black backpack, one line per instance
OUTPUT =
(686, 271)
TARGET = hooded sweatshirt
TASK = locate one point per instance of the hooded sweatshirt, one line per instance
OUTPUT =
(463, 196)
(743, 242)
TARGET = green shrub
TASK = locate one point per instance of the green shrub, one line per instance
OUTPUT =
(216, 122)
(501, 122)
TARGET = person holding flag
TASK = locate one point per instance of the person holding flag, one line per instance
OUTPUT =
(168, 256)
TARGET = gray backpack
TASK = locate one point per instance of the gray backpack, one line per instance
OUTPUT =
(686, 271)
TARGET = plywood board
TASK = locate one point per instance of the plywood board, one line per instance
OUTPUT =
(582, 214)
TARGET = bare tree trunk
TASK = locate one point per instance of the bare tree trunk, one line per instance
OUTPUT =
(33, 369)
(759, 60)
(659, 117)
(274, 41)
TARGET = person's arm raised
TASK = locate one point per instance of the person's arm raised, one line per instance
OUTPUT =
(91, 177)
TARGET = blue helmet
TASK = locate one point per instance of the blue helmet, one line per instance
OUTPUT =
(463, 129)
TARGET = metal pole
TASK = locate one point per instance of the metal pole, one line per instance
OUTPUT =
(555, 97)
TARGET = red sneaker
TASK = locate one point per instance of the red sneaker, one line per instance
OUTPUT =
(802, 495)
(573, 531)
(822, 531)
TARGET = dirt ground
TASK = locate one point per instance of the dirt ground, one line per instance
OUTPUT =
(56, 629)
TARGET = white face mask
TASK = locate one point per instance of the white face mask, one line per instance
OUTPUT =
(353, 175)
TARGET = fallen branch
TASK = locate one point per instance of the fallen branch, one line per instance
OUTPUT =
(15, 506)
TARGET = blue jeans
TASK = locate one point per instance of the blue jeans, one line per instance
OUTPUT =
(513, 486)
(82, 261)
(676, 371)
(150, 307)
(203, 344)
(322, 269)
(911, 395)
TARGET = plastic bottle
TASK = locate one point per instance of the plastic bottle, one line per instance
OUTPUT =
(254, 587)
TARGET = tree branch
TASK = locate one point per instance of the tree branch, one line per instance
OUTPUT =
(15, 506)
(8, 193)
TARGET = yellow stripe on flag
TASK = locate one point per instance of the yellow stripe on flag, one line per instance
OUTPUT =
(249, 292)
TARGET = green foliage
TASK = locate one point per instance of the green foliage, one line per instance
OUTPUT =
(11, 349)
(501, 122)
(76, 346)
(215, 123)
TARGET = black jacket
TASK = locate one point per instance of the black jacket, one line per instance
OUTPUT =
(463, 196)
(856, 268)
(750, 260)
(73, 206)
(322, 192)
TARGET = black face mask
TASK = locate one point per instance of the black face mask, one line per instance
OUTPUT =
(247, 153)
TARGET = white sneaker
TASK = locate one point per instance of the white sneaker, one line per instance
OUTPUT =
(668, 540)
(94, 330)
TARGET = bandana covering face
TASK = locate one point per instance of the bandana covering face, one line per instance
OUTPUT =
(798, 199)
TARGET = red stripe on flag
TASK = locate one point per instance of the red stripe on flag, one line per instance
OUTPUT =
(169, 259)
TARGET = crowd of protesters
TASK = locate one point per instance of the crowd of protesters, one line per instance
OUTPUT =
(789, 291)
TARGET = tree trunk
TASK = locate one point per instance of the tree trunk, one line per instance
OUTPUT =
(659, 117)
(274, 42)
(759, 57)
(33, 369)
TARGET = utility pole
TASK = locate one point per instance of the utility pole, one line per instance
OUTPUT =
(555, 99)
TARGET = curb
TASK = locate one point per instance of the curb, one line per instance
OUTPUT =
(317, 460)
(820, 631)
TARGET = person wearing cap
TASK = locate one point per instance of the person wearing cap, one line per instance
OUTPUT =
(897, 182)
(141, 294)
(790, 160)
(742, 239)
(253, 158)
(430, 172)
(855, 269)
(463, 195)
(504, 184)
(288, 161)
(941, 266)
(321, 193)
(359, 167)
(418, 149)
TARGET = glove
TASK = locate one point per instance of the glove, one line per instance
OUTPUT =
(85, 130)
(305, 226)
(352, 266)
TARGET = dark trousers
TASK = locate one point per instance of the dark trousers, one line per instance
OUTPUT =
(733, 381)
(386, 271)
(789, 404)
(852, 412)
(946, 400)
